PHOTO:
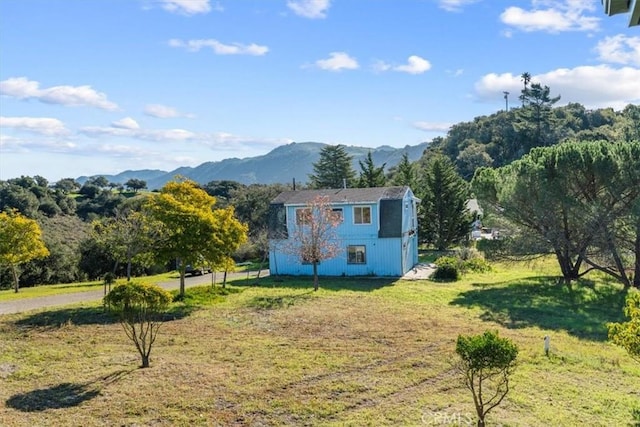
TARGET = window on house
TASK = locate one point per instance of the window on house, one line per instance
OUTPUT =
(303, 215)
(338, 214)
(362, 214)
(356, 254)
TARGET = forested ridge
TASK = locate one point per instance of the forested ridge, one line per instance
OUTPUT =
(68, 212)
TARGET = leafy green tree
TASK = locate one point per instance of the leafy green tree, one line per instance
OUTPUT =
(333, 169)
(370, 174)
(129, 236)
(576, 198)
(67, 185)
(191, 229)
(99, 181)
(223, 190)
(136, 184)
(535, 120)
(627, 334)
(486, 363)
(140, 308)
(630, 123)
(251, 203)
(14, 196)
(404, 174)
(20, 242)
(471, 158)
(444, 218)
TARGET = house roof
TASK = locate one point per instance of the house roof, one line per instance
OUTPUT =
(342, 195)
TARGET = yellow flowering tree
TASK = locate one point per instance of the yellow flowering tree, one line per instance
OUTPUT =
(20, 242)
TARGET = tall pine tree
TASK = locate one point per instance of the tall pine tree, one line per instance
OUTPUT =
(333, 168)
(445, 220)
(405, 173)
(371, 175)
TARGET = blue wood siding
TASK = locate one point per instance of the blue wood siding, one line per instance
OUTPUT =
(390, 256)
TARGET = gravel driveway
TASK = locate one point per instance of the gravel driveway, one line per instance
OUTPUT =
(26, 304)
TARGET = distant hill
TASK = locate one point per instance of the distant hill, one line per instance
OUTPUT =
(281, 165)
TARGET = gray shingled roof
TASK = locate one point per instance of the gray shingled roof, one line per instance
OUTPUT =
(342, 195)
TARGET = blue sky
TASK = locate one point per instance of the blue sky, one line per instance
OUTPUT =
(100, 87)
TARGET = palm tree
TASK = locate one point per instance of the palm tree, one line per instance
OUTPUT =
(526, 79)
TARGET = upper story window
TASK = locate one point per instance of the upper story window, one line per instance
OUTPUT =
(337, 212)
(303, 216)
(362, 215)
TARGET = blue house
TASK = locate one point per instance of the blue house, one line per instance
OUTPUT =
(377, 232)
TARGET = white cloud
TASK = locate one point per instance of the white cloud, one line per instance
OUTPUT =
(41, 125)
(454, 5)
(380, 66)
(126, 123)
(552, 16)
(619, 49)
(337, 61)
(432, 126)
(415, 65)
(216, 141)
(154, 135)
(162, 111)
(47, 144)
(23, 88)
(313, 9)
(220, 48)
(187, 7)
(593, 86)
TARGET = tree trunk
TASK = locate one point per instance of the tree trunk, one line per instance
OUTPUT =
(264, 258)
(182, 281)
(224, 279)
(145, 361)
(315, 276)
(14, 270)
(636, 247)
(128, 264)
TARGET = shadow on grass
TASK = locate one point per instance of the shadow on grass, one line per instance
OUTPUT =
(65, 395)
(582, 310)
(79, 316)
(359, 284)
(59, 317)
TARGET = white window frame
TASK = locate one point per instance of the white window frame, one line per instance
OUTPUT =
(361, 208)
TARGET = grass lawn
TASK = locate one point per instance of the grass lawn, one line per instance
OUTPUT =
(357, 352)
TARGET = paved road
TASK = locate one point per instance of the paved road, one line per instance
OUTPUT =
(26, 304)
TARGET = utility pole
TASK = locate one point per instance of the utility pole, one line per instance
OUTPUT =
(506, 100)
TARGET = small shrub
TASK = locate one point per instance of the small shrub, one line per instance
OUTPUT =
(486, 362)
(477, 265)
(448, 269)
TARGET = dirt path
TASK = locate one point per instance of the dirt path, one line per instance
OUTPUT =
(26, 304)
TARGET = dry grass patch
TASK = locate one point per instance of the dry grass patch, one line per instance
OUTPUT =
(371, 354)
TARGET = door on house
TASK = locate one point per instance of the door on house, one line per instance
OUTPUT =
(406, 254)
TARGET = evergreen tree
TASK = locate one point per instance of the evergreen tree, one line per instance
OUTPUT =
(445, 219)
(535, 119)
(405, 174)
(370, 175)
(333, 168)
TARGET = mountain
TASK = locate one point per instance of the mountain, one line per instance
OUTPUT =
(281, 165)
(122, 177)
